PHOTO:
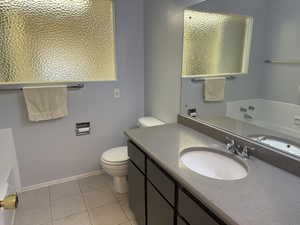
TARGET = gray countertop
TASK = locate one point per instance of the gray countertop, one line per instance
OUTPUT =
(267, 196)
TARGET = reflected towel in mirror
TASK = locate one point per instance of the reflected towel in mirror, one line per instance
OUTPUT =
(214, 89)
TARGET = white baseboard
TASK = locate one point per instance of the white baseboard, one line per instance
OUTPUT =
(62, 180)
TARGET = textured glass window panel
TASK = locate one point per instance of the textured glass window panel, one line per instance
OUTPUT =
(56, 41)
(215, 44)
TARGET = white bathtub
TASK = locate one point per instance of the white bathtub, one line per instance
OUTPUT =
(279, 116)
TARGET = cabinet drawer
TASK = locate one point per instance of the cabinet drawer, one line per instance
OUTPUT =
(161, 181)
(193, 212)
(159, 211)
(136, 156)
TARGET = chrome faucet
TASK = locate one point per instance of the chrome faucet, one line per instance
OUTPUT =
(248, 116)
(244, 153)
(230, 146)
(251, 108)
(237, 149)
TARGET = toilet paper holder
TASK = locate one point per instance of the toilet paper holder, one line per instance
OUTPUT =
(83, 128)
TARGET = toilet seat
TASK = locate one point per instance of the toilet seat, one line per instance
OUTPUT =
(114, 163)
(115, 156)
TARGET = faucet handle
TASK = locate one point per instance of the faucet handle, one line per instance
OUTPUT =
(230, 143)
(251, 107)
(243, 109)
(245, 153)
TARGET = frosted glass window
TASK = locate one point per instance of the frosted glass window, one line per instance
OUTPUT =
(216, 44)
(56, 41)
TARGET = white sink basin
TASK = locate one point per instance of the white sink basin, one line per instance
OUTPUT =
(214, 164)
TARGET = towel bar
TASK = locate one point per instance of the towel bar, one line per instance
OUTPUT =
(296, 61)
(76, 86)
(200, 79)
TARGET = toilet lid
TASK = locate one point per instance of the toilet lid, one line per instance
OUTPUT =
(118, 154)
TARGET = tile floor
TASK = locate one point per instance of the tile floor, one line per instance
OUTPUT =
(90, 201)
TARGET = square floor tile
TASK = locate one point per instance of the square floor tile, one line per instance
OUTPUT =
(110, 214)
(77, 219)
(36, 216)
(64, 190)
(94, 182)
(67, 206)
(100, 197)
(35, 199)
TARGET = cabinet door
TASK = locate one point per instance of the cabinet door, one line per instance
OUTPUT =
(137, 196)
(193, 212)
(136, 156)
(159, 211)
(180, 221)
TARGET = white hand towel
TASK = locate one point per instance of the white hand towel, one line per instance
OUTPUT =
(214, 89)
(46, 103)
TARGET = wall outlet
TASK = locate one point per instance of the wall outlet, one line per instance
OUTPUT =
(117, 93)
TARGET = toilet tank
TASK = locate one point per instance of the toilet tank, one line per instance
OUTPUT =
(149, 122)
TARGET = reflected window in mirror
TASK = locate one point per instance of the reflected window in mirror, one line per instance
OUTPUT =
(215, 44)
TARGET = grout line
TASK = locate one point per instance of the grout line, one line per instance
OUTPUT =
(90, 217)
(87, 208)
(50, 206)
(123, 209)
(73, 214)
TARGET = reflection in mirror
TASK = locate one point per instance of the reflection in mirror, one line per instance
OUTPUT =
(262, 105)
(215, 44)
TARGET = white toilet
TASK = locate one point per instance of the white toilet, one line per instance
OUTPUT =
(114, 161)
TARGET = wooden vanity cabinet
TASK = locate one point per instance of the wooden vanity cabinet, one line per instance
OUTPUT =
(193, 212)
(157, 199)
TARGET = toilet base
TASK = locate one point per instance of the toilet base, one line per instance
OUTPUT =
(120, 184)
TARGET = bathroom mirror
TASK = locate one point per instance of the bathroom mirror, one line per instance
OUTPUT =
(215, 44)
(263, 104)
